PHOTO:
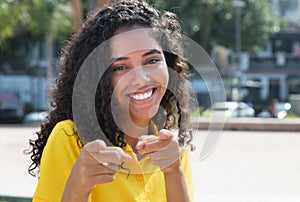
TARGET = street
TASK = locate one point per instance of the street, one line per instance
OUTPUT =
(250, 167)
(244, 166)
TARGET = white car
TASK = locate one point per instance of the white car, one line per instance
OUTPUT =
(233, 109)
(35, 116)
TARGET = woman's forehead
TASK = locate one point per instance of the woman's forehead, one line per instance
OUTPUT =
(132, 41)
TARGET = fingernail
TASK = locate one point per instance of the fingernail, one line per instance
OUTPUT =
(164, 135)
(139, 144)
(127, 157)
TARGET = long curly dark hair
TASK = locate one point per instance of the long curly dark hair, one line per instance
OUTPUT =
(99, 27)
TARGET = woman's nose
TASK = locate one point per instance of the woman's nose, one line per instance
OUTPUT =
(139, 75)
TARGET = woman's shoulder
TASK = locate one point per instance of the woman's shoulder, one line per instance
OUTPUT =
(67, 126)
(64, 131)
(63, 134)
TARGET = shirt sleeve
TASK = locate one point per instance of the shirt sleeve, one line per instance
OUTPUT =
(185, 163)
(59, 155)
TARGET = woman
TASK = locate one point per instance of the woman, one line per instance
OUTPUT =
(154, 165)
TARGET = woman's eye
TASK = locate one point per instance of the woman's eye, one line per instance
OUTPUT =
(119, 68)
(153, 61)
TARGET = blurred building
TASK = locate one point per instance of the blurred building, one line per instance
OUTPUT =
(277, 69)
(289, 10)
(274, 73)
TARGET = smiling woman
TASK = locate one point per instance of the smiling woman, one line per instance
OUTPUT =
(139, 78)
(144, 85)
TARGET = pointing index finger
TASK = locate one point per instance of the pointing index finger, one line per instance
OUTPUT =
(165, 134)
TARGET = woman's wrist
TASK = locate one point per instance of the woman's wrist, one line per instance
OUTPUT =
(173, 168)
(70, 196)
(73, 192)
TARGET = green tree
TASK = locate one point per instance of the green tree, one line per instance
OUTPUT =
(37, 18)
(31, 23)
(39, 24)
(80, 7)
(214, 20)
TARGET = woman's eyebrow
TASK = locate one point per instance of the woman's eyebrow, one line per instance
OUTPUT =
(153, 51)
(112, 60)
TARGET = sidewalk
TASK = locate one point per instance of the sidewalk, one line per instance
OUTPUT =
(252, 124)
(248, 166)
(14, 179)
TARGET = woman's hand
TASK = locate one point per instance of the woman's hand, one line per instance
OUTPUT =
(96, 164)
(165, 153)
(164, 150)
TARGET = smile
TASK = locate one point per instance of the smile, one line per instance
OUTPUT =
(143, 95)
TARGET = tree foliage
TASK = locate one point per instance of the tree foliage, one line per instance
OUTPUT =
(32, 21)
(214, 20)
(26, 24)
(36, 18)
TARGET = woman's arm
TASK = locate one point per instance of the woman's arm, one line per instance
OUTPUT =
(165, 153)
(176, 187)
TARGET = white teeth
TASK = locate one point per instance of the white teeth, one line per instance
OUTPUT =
(142, 96)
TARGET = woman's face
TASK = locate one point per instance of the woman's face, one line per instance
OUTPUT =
(139, 75)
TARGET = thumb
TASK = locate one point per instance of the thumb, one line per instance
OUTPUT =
(125, 157)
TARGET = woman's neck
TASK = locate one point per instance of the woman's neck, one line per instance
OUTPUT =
(131, 141)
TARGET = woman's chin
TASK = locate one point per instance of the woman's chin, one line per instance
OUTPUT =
(142, 119)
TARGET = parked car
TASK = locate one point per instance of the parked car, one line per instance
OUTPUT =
(281, 111)
(35, 116)
(11, 111)
(232, 109)
(10, 115)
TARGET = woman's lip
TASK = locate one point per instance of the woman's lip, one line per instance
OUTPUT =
(143, 89)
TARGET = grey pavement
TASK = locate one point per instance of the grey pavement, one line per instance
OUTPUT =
(245, 166)
(256, 124)
(14, 178)
(249, 166)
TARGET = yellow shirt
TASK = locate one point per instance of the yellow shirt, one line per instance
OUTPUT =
(144, 183)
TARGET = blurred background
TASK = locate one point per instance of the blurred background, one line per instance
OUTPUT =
(254, 44)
